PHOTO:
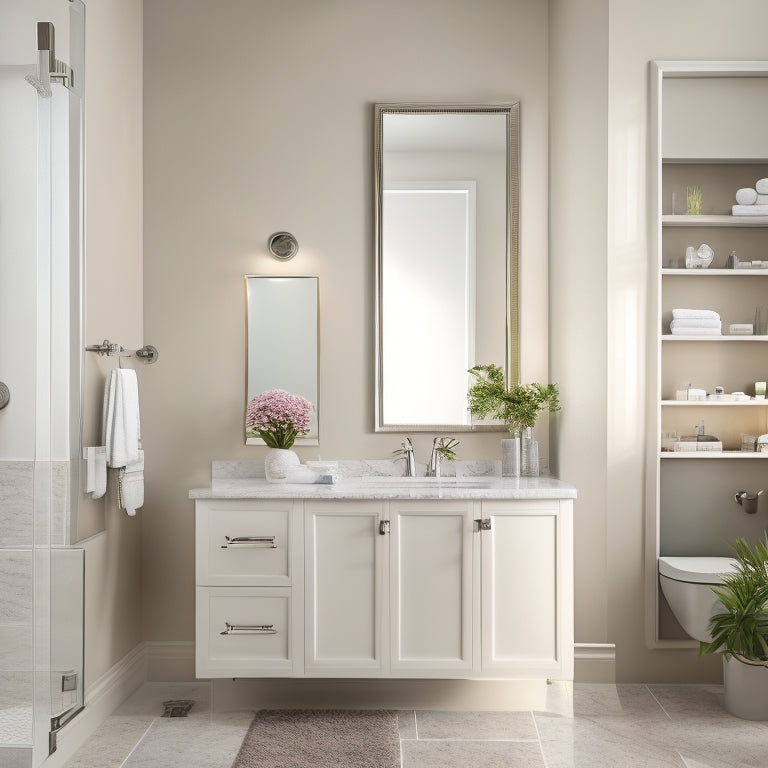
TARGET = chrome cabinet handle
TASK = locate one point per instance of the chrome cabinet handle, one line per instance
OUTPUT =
(252, 629)
(483, 524)
(267, 542)
(383, 527)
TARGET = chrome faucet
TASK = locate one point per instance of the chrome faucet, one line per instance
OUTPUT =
(406, 452)
(442, 448)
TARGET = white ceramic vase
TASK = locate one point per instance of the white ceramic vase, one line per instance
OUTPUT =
(746, 689)
(278, 464)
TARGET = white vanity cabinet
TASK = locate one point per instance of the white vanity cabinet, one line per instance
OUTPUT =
(385, 587)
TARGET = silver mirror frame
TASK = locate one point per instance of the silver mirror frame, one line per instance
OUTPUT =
(512, 363)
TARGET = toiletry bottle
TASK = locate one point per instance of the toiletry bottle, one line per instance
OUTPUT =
(733, 261)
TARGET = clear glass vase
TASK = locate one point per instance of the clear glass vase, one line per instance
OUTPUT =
(510, 457)
(529, 455)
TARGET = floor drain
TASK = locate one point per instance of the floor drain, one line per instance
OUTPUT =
(177, 708)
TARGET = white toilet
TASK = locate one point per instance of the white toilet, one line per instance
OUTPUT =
(686, 583)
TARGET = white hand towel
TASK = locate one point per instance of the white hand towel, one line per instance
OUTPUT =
(695, 323)
(130, 486)
(695, 331)
(695, 314)
(762, 187)
(100, 476)
(746, 196)
(749, 210)
(121, 428)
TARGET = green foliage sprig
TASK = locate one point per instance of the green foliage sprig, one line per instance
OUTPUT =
(518, 407)
(446, 448)
(742, 630)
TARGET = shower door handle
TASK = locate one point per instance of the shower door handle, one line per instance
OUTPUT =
(5, 395)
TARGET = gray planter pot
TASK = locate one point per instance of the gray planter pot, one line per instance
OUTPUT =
(746, 689)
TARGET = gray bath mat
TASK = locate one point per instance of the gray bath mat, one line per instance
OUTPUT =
(321, 739)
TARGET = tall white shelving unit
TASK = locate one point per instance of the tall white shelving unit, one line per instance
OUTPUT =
(731, 361)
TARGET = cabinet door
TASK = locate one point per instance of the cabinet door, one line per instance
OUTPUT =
(344, 580)
(431, 588)
(527, 589)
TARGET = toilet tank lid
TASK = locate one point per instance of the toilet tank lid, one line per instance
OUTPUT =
(699, 570)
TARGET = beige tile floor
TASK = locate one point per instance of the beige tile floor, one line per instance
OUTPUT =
(597, 726)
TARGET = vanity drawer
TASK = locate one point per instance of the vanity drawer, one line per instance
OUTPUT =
(243, 632)
(244, 543)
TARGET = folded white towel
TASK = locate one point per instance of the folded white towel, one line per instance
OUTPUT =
(749, 210)
(695, 331)
(762, 200)
(695, 323)
(95, 471)
(695, 314)
(762, 187)
(121, 430)
(130, 486)
(746, 196)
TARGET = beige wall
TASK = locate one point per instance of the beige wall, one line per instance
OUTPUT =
(258, 118)
(656, 29)
(600, 272)
(113, 301)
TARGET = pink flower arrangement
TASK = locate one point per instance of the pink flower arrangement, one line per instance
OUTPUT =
(278, 417)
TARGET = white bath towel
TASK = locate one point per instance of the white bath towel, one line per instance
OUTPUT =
(762, 186)
(695, 314)
(130, 486)
(749, 210)
(762, 200)
(121, 426)
(95, 471)
(746, 196)
(695, 331)
(696, 323)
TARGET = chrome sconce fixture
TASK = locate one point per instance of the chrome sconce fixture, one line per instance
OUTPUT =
(283, 246)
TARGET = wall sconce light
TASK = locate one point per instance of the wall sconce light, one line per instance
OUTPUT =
(283, 246)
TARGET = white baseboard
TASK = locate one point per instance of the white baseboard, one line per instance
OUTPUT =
(594, 662)
(170, 662)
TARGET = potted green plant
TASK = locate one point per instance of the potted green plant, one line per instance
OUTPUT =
(518, 406)
(741, 632)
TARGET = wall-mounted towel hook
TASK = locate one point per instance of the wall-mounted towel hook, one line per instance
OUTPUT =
(747, 501)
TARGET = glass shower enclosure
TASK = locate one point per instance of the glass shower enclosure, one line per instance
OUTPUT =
(42, 49)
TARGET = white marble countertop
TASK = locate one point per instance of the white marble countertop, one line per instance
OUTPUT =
(373, 487)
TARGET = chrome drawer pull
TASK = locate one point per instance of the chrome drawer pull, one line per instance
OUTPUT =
(268, 542)
(255, 629)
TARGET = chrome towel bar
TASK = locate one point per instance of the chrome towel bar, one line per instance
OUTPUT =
(147, 353)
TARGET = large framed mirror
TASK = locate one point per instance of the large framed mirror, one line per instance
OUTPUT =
(282, 342)
(446, 219)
